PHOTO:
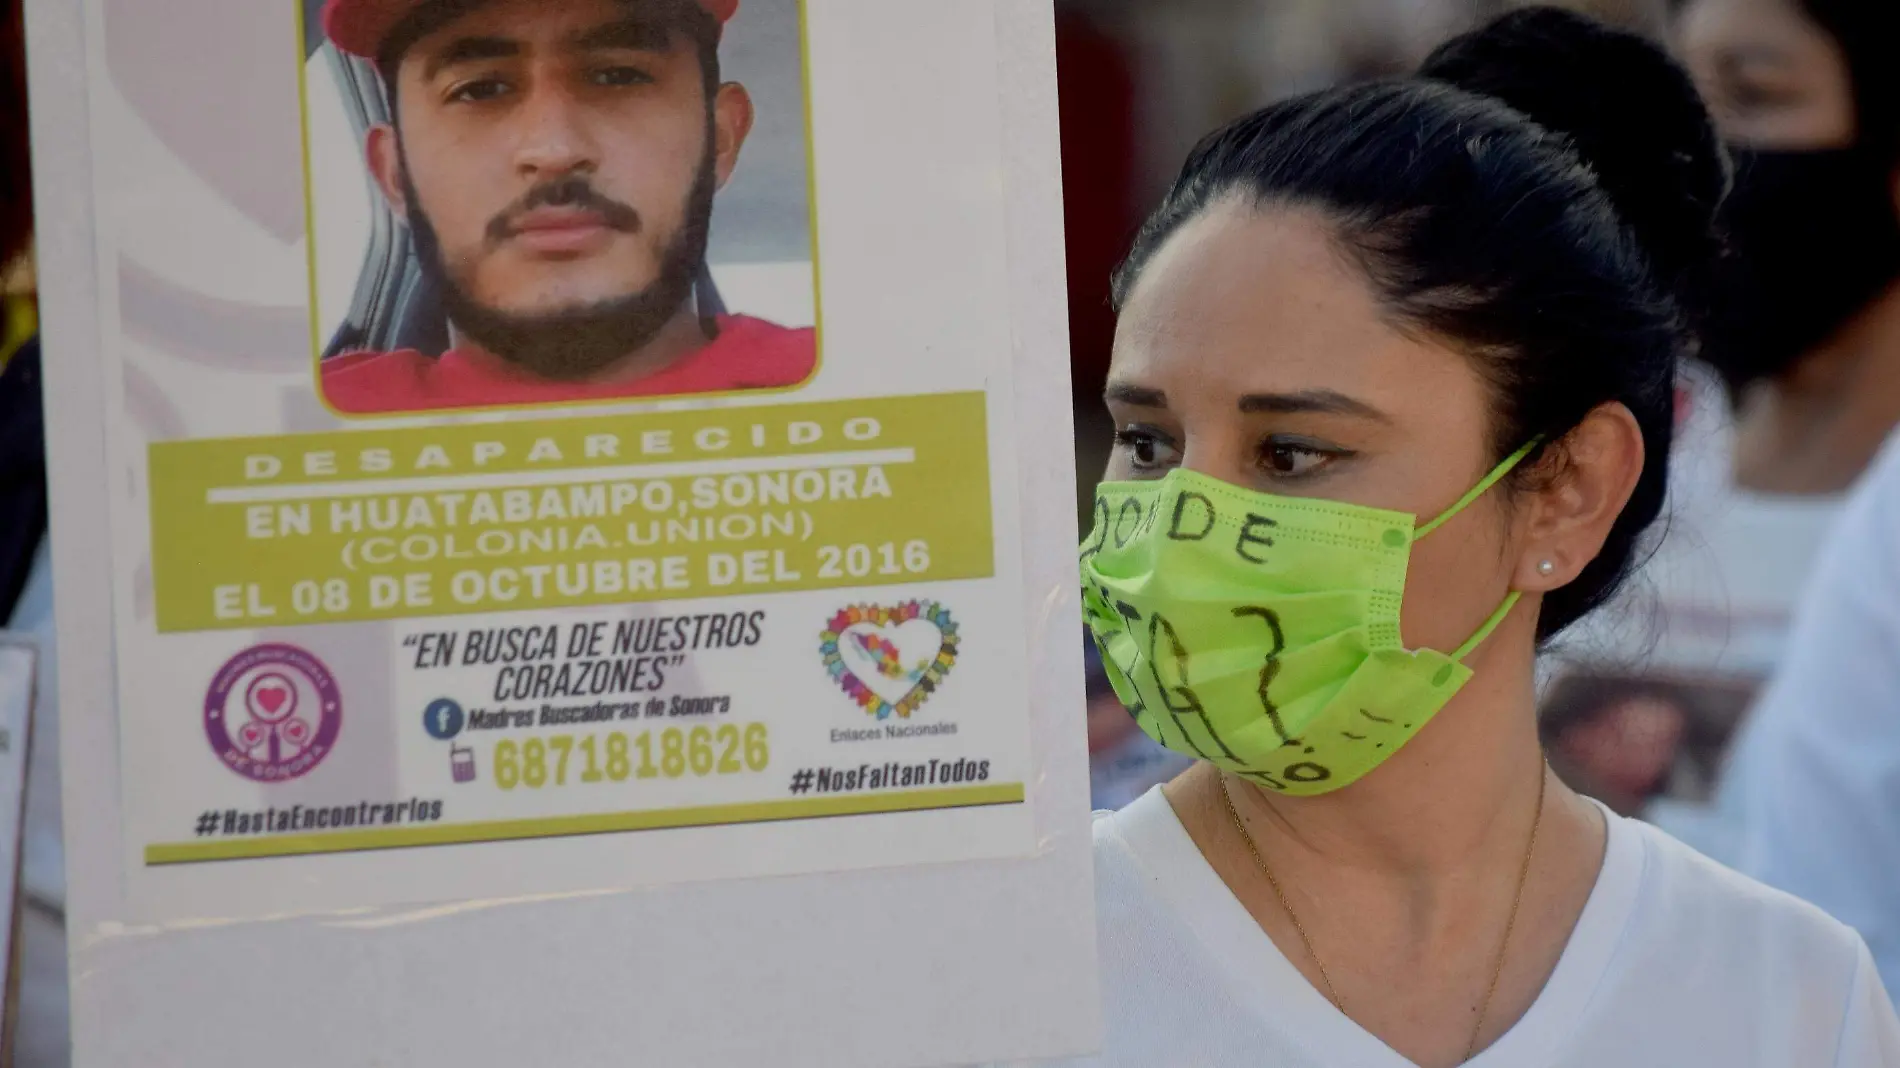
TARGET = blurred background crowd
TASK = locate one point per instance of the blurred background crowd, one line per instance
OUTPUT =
(1779, 427)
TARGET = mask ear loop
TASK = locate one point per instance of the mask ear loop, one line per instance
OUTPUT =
(1490, 625)
(1484, 486)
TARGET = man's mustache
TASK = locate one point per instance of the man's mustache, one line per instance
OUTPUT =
(573, 192)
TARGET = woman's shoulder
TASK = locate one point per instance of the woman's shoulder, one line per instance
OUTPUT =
(1737, 960)
(1691, 908)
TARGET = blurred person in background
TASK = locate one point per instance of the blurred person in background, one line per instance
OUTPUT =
(1620, 740)
(39, 1039)
(1816, 773)
(1457, 298)
(1807, 339)
(1799, 383)
(22, 455)
(1806, 327)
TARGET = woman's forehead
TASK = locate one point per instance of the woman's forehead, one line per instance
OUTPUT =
(1244, 300)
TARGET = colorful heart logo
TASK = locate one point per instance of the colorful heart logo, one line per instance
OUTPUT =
(890, 659)
(272, 697)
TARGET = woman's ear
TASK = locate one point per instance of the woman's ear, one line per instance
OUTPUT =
(1595, 469)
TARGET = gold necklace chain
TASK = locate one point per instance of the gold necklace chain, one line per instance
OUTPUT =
(1332, 992)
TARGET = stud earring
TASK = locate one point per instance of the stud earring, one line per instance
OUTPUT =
(1546, 568)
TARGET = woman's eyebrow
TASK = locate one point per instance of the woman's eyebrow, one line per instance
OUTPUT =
(1323, 401)
(1138, 396)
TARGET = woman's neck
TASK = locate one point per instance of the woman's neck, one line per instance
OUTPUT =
(1815, 429)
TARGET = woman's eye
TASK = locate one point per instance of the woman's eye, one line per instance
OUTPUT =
(621, 76)
(1295, 459)
(477, 91)
(1147, 448)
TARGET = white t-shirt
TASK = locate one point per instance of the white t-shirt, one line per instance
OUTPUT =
(1676, 962)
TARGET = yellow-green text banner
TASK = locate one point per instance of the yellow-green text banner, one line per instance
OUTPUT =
(427, 521)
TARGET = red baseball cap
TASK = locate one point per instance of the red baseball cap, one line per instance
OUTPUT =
(360, 27)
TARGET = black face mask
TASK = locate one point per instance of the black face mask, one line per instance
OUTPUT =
(1814, 238)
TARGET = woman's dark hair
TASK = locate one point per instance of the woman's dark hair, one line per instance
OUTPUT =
(1541, 197)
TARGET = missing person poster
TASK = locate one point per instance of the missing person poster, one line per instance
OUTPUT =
(566, 446)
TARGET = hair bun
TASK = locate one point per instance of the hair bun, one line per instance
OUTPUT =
(1629, 110)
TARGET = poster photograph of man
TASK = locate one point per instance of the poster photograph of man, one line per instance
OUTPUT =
(543, 202)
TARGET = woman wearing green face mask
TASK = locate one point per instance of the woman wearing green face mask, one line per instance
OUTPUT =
(1393, 377)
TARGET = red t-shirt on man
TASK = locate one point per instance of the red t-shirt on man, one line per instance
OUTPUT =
(748, 354)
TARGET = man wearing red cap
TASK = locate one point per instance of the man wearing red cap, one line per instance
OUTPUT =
(556, 162)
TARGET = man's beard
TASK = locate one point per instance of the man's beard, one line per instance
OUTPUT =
(574, 343)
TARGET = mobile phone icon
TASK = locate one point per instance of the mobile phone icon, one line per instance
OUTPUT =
(461, 764)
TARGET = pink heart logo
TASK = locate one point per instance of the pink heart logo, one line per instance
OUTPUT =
(272, 697)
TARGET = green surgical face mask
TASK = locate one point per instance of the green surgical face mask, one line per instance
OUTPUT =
(1261, 632)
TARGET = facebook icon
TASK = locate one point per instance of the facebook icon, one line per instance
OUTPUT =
(442, 719)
